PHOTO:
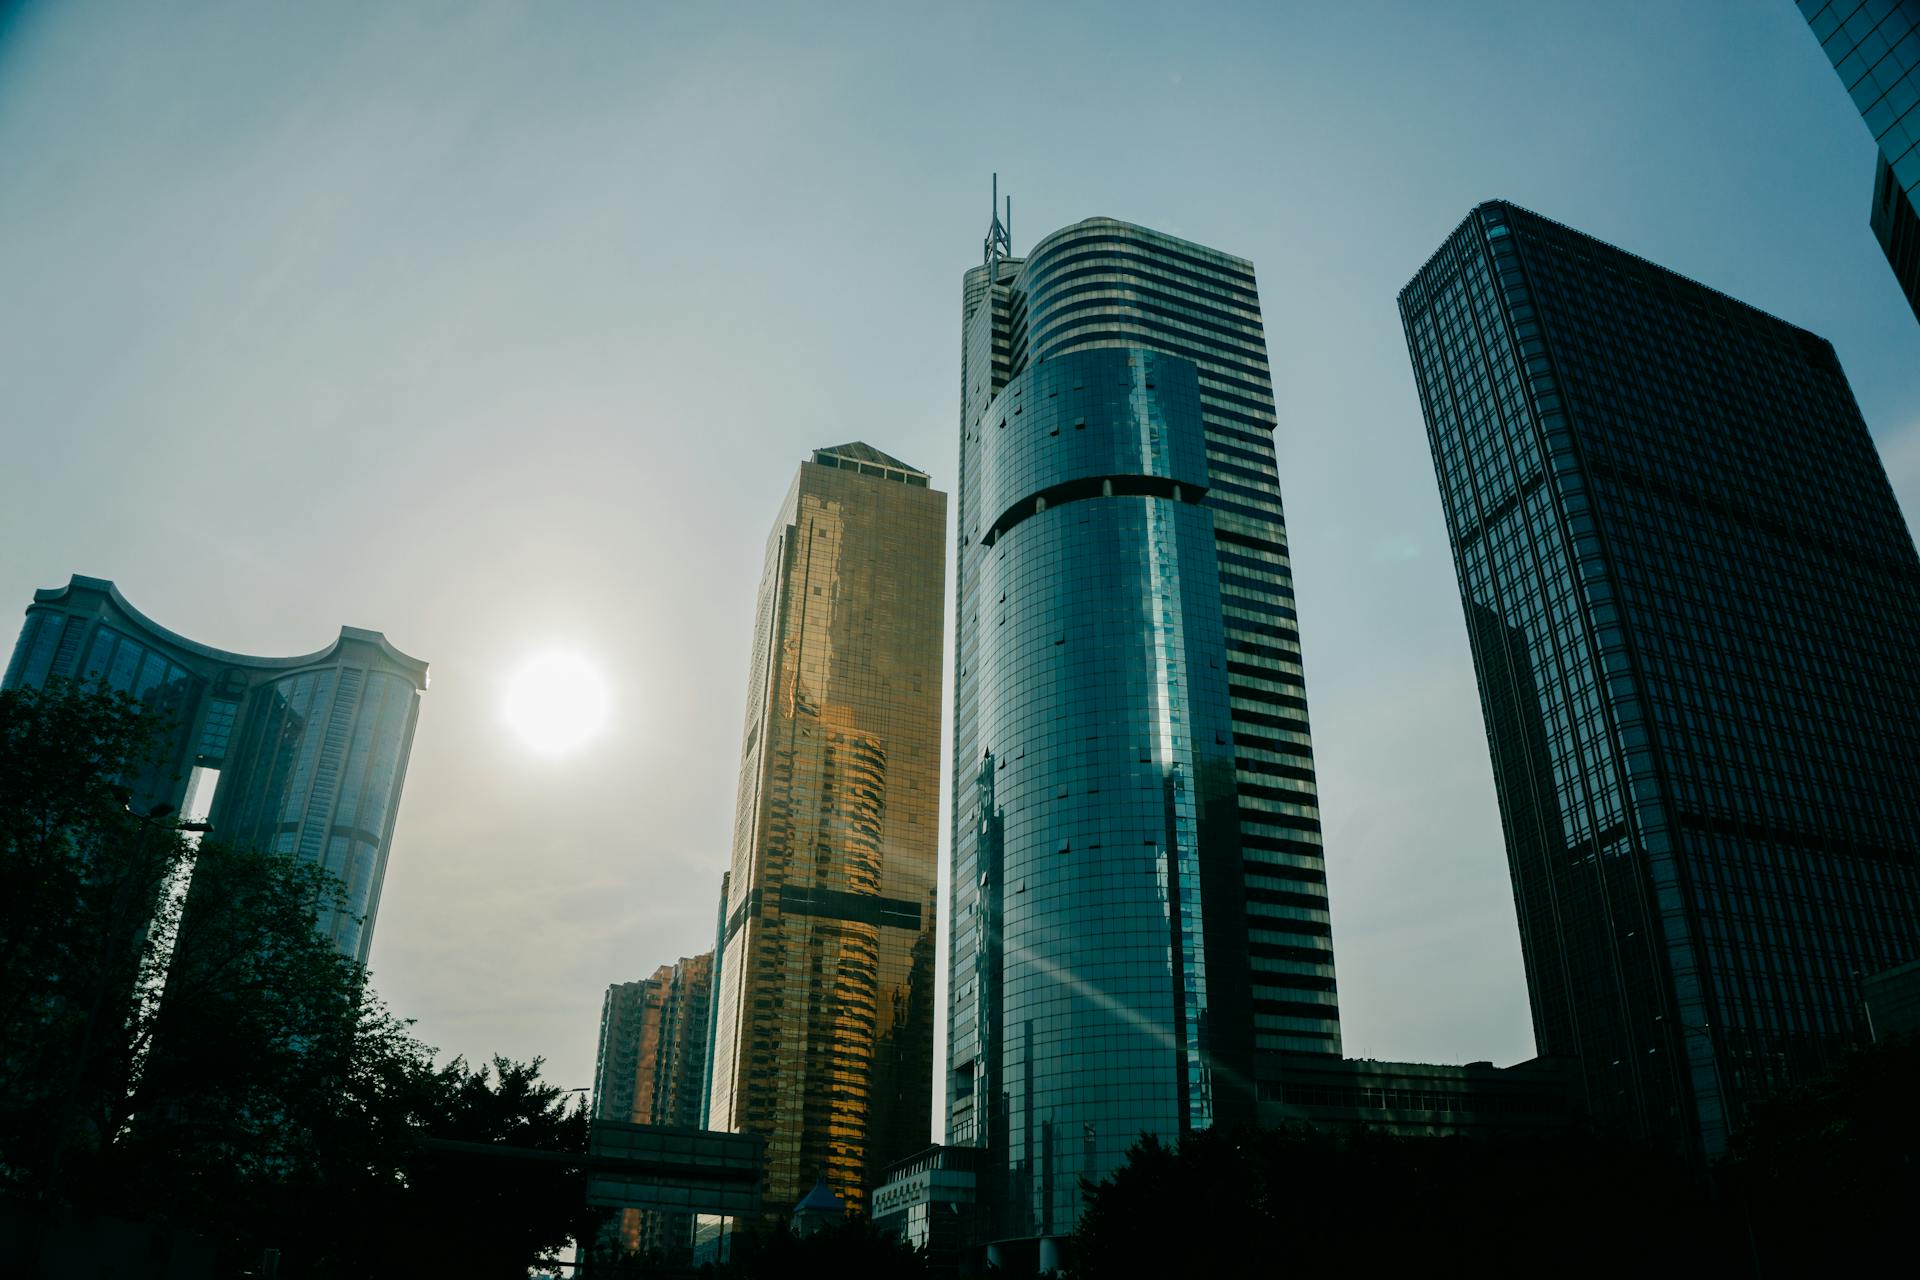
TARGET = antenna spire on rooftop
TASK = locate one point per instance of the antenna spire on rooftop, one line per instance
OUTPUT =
(999, 242)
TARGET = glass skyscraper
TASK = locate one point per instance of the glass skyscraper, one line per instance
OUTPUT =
(1691, 600)
(298, 756)
(823, 1036)
(1139, 899)
(1874, 45)
(651, 1069)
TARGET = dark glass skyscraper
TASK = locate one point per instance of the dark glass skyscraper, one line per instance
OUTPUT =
(823, 1037)
(299, 756)
(1691, 599)
(1874, 45)
(1139, 900)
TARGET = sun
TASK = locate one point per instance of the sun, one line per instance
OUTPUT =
(556, 702)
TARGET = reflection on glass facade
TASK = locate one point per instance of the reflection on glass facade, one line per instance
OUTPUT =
(1139, 901)
(823, 1030)
(651, 1069)
(1691, 598)
(309, 752)
(1874, 45)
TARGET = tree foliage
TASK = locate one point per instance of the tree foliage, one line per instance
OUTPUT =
(1225, 1204)
(1829, 1173)
(202, 1059)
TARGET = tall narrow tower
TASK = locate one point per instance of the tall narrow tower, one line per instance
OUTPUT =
(1139, 901)
(1690, 596)
(823, 1037)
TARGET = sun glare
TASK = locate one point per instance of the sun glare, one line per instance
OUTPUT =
(556, 702)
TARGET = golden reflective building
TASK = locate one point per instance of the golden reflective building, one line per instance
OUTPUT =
(823, 1031)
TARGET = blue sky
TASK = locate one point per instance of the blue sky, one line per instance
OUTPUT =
(497, 326)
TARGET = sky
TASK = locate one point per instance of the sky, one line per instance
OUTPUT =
(501, 328)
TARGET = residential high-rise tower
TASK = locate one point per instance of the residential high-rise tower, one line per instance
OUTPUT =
(1691, 599)
(823, 1038)
(1139, 898)
(650, 1069)
(299, 756)
(1874, 46)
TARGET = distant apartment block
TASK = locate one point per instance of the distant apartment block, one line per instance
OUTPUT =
(650, 1070)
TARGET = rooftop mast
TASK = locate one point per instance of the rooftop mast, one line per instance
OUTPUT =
(999, 242)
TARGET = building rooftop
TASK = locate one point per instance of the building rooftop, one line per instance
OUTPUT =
(869, 461)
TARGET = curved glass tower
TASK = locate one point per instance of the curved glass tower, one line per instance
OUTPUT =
(1139, 902)
(300, 756)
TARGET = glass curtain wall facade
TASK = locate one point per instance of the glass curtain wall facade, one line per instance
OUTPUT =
(823, 1039)
(1138, 888)
(1874, 46)
(1690, 597)
(299, 756)
(651, 1069)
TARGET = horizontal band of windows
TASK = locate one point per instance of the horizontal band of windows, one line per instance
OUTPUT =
(1242, 662)
(1281, 679)
(1292, 683)
(1304, 968)
(1061, 301)
(1110, 292)
(1223, 278)
(1272, 623)
(1124, 486)
(1227, 380)
(1314, 902)
(1327, 1024)
(1265, 701)
(1252, 713)
(1230, 488)
(1293, 933)
(1286, 650)
(1294, 994)
(1246, 505)
(1161, 251)
(1228, 396)
(1320, 1008)
(1277, 674)
(1297, 745)
(1266, 853)
(1297, 817)
(1233, 426)
(1106, 331)
(1275, 769)
(1268, 574)
(1289, 836)
(1271, 546)
(1232, 391)
(1260, 806)
(1254, 452)
(1277, 975)
(1328, 1043)
(1267, 876)
(1315, 952)
(1261, 479)
(1262, 529)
